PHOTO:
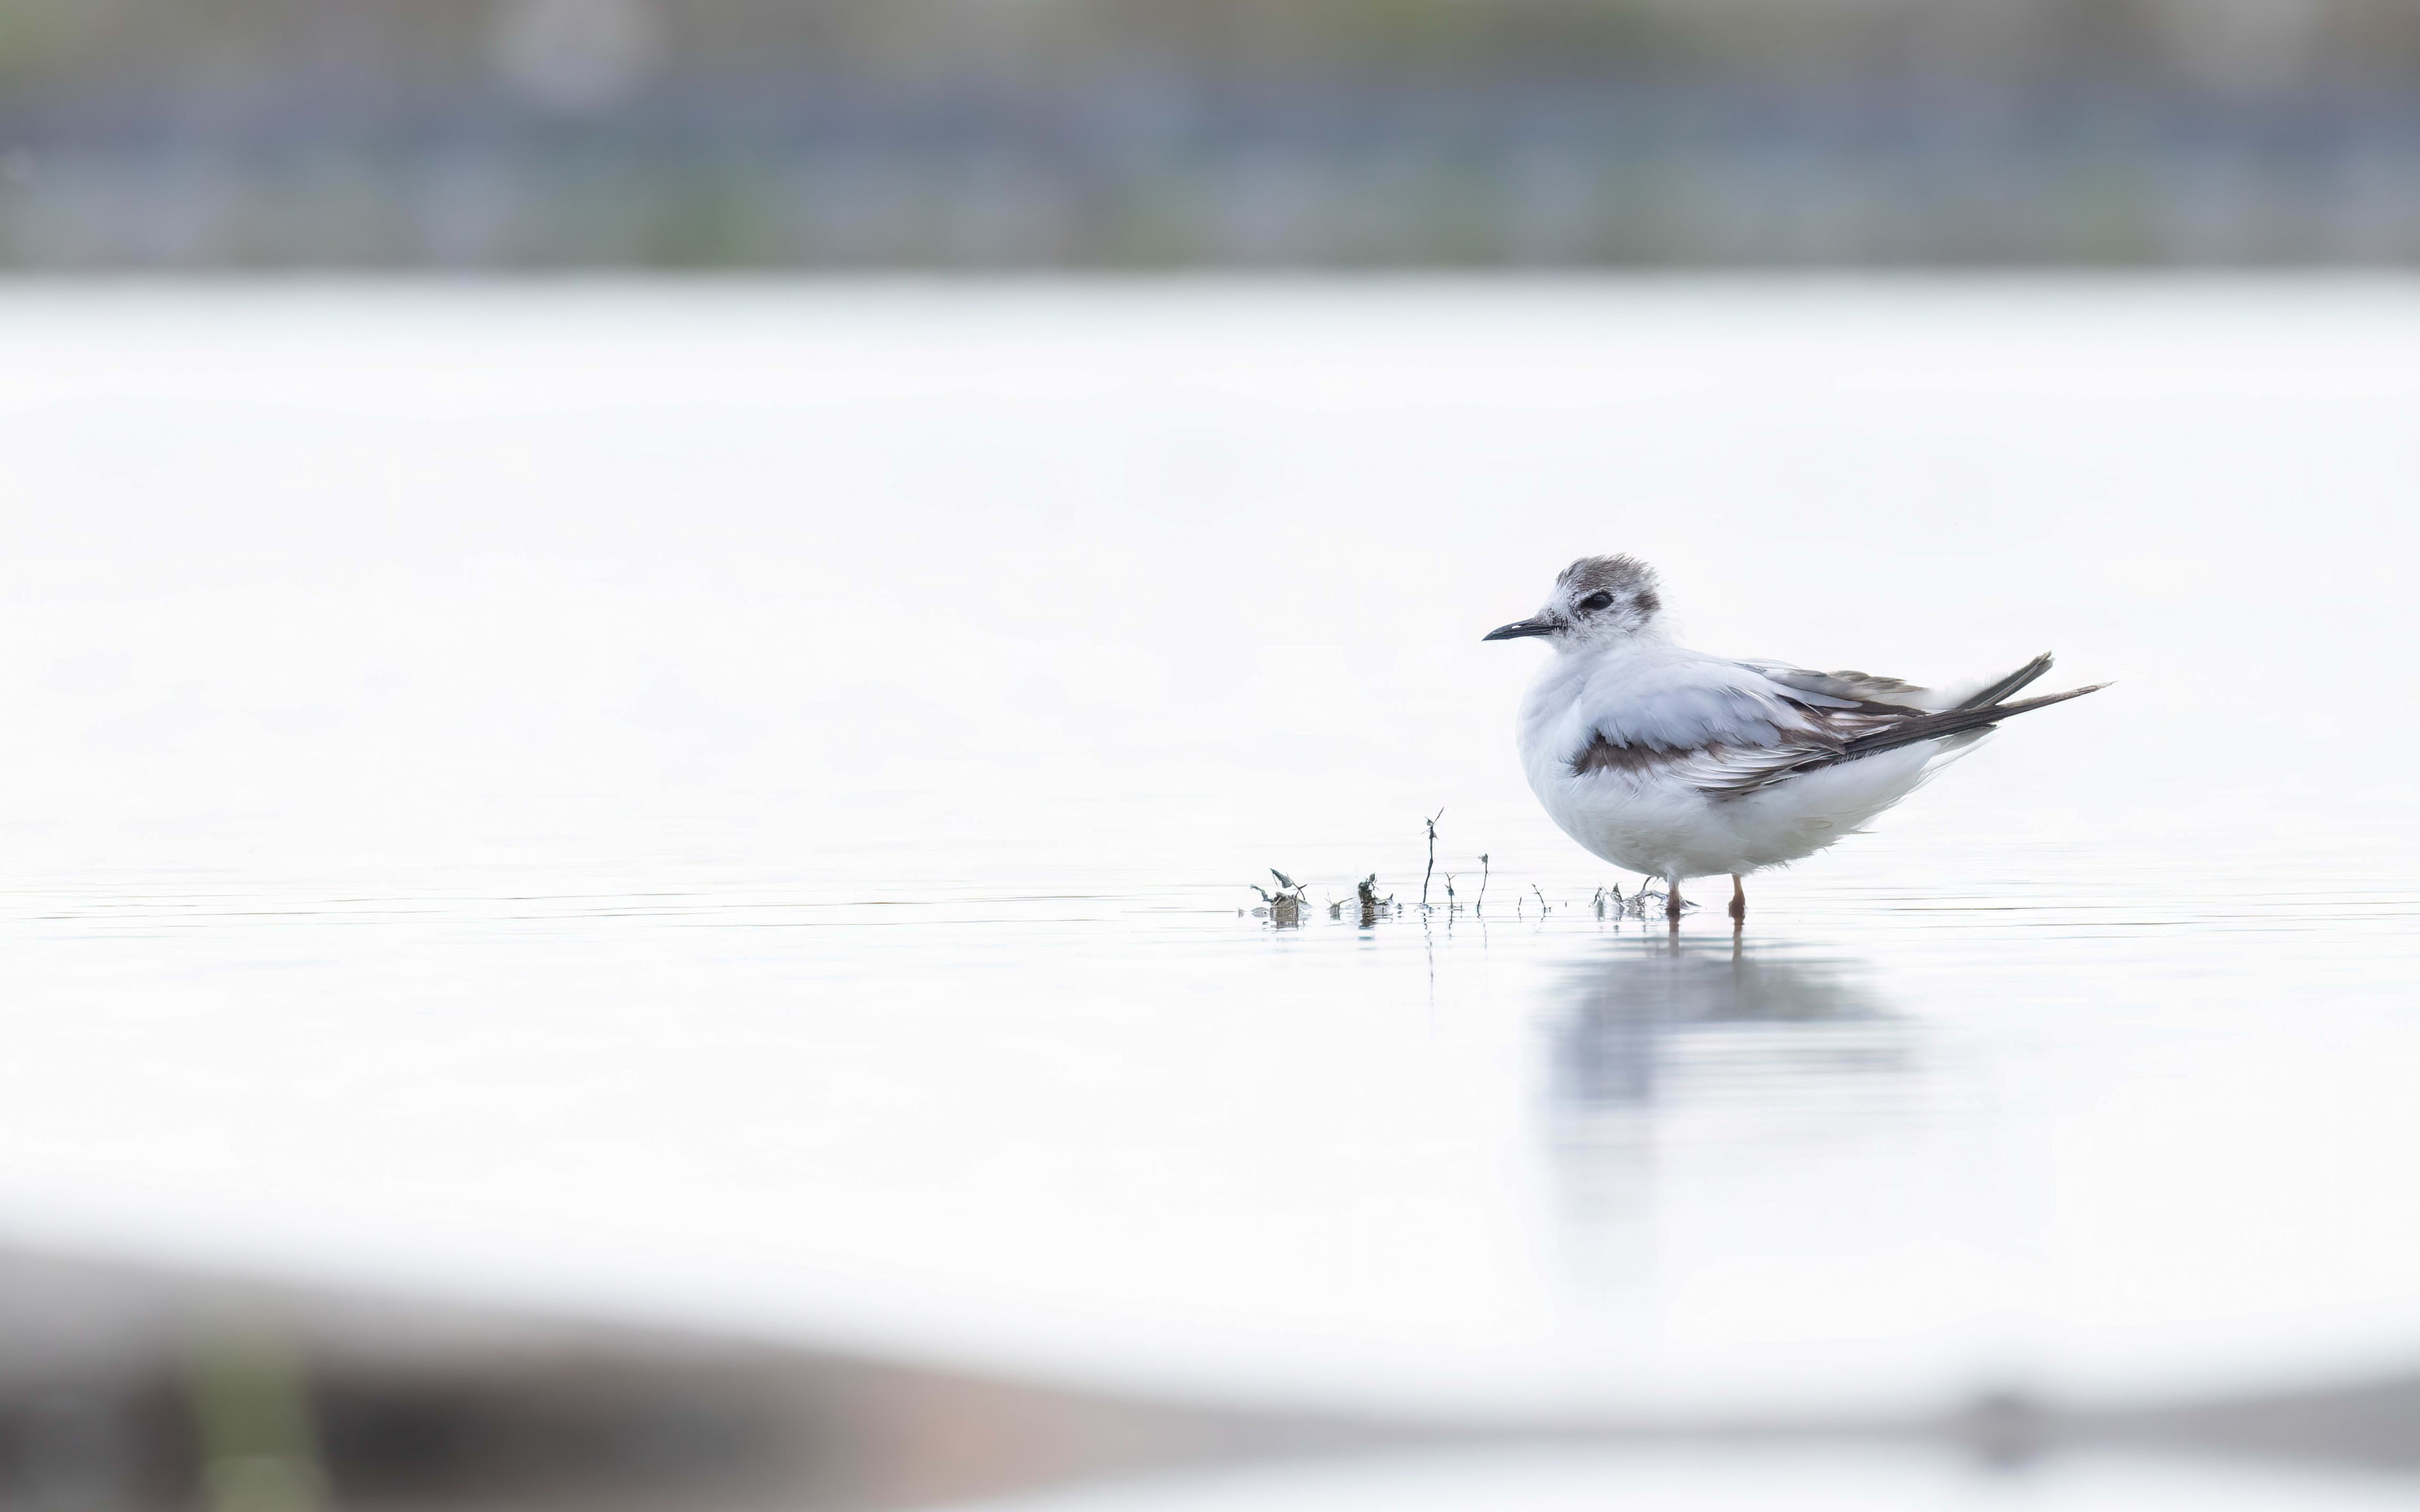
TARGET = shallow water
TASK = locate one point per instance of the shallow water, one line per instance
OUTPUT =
(734, 805)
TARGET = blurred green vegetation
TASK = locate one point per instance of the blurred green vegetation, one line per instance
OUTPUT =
(2240, 42)
(533, 134)
(252, 1407)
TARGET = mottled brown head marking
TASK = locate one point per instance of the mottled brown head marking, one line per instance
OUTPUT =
(1597, 601)
(1620, 575)
(1617, 591)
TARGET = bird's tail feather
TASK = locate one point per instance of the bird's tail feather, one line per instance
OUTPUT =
(1996, 692)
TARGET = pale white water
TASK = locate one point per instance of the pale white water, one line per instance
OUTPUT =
(730, 804)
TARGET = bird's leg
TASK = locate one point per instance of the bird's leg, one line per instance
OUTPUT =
(1673, 903)
(1738, 900)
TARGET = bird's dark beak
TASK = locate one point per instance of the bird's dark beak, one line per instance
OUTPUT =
(1518, 628)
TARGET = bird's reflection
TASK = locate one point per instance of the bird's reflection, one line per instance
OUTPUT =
(1653, 1042)
(1626, 1010)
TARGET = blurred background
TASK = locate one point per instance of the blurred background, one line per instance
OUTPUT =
(1180, 133)
(642, 891)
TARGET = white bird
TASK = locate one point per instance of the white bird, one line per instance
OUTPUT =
(1677, 763)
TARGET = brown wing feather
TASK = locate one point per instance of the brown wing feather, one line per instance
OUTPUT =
(1853, 687)
(2016, 681)
(1890, 732)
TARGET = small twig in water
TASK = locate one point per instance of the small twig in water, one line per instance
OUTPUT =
(1431, 822)
(1284, 906)
(1542, 909)
(1481, 906)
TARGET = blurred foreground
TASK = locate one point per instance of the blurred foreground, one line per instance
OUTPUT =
(132, 1389)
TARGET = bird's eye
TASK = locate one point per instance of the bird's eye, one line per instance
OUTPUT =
(1596, 601)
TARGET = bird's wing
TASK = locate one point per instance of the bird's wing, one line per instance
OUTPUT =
(1727, 775)
(1704, 720)
(1841, 689)
(1848, 689)
(1733, 728)
(1681, 701)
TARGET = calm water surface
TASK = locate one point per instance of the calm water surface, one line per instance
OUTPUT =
(733, 806)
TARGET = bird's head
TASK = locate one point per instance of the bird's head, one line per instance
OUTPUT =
(1596, 601)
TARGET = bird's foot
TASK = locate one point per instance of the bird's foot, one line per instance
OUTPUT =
(1653, 905)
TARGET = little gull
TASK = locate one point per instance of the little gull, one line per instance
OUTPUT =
(1680, 764)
